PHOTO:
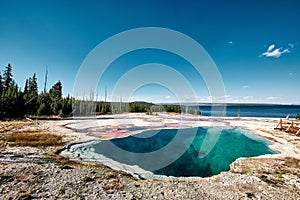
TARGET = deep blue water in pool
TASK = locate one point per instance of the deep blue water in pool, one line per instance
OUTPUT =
(231, 144)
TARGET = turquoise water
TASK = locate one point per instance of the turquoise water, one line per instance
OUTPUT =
(232, 144)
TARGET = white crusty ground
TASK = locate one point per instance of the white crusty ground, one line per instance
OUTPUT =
(28, 173)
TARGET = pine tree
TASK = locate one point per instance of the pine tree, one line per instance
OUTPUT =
(9, 94)
(26, 87)
(30, 95)
(56, 97)
(10, 99)
(67, 105)
(44, 104)
(1, 102)
(1, 85)
(8, 77)
(14, 103)
(33, 87)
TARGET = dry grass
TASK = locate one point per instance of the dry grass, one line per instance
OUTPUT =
(292, 162)
(45, 117)
(7, 126)
(25, 133)
(62, 162)
(33, 139)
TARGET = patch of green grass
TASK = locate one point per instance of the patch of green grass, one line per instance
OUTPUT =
(285, 164)
(264, 178)
(61, 162)
(266, 172)
(4, 178)
(292, 162)
(64, 166)
(111, 175)
(26, 195)
(280, 176)
(250, 195)
(88, 179)
(17, 156)
(62, 190)
(270, 180)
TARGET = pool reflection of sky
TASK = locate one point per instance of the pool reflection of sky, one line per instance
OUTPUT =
(232, 144)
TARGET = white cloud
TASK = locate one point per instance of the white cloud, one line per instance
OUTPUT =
(275, 53)
(291, 45)
(292, 74)
(272, 98)
(167, 97)
(225, 96)
(245, 86)
(211, 98)
(219, 99)
(248, 97)
(271, 47)
(235, 99)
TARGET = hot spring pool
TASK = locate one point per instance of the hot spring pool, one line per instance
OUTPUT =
(150, 149)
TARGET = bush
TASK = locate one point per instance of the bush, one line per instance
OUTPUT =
(298, 116)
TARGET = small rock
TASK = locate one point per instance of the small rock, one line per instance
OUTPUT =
(137, 184)
(110, 191)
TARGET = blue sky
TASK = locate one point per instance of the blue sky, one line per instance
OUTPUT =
(255, 44)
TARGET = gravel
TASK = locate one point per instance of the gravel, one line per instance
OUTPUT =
(30, 173)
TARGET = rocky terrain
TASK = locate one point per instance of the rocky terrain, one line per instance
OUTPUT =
(36, 172)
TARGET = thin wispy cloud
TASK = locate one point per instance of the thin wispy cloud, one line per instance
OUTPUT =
(272, 98)
(275, 53)
(226, 96)
(291, 45)
(245, 86)
(292, 74)
(248, 97)
(211, 98)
